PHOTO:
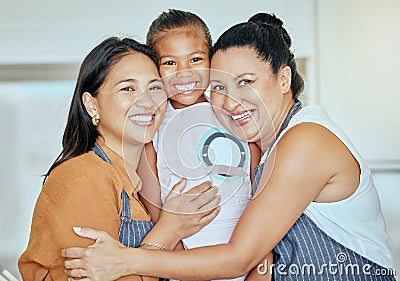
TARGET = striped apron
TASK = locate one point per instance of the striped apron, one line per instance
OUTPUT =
(307, 253)
(131, 232)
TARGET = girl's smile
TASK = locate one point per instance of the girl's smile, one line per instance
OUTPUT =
(184, 66)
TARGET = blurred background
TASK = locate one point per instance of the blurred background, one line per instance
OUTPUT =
(346, 49)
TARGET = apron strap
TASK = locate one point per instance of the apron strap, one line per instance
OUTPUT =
(99, 152)
(126, 210)
(259, 168)
(285, 123)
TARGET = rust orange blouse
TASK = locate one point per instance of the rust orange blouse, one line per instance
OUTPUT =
(83, 191)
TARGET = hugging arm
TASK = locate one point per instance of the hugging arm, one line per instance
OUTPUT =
(150, 195)
(259, 272)
(298, 174)
(183, 215)
(262, 272)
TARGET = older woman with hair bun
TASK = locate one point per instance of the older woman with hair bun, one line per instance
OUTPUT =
(316, 207)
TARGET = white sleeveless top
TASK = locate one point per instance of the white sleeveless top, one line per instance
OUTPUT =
(192, 143)
(357, 221)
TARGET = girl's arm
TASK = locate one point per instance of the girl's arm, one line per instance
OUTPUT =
(306, 159)
(150, 195)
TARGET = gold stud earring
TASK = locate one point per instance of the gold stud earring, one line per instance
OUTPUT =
(95, 121)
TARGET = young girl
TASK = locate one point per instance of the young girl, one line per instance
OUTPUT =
(191, 143)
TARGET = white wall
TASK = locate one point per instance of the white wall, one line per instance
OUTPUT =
(358, 73)
(32, 119)
(64, 31)
(357, 81)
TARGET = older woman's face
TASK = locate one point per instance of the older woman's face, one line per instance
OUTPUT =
(131, 102)
(244, 93)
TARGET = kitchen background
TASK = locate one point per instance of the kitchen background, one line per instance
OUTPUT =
(346, 49)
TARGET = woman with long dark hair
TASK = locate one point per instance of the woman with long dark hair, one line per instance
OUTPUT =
(117, 107)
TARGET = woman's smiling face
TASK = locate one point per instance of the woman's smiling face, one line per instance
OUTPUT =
(246, 95)
(131, 102)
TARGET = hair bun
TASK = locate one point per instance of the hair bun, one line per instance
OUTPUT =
(270, 20)
(266, 19)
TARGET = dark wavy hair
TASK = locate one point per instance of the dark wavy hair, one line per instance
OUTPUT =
(265, 34)
(80, 134)
(173, 19)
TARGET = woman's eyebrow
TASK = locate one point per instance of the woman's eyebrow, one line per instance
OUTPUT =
(125, 80)
(215, 81)
(155, 80)
(234, 77)
(134, 80)
(244, 74)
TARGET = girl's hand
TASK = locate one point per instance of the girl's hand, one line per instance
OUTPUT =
(100, 261)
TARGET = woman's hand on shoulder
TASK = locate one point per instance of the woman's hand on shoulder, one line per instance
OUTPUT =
(100, 261)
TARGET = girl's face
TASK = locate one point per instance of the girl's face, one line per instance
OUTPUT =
(184, 65)
(131, 102)
(246, 95)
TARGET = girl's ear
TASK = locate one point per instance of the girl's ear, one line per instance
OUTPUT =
(90, 104)
(285, 78)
